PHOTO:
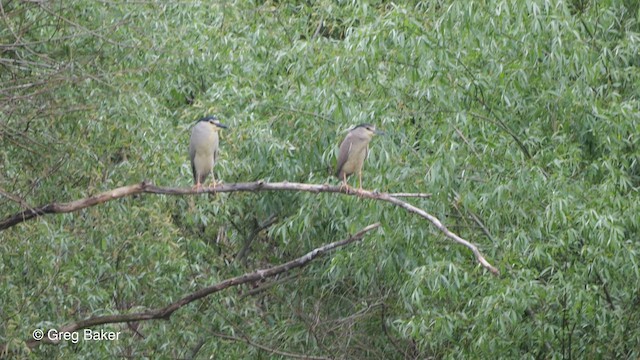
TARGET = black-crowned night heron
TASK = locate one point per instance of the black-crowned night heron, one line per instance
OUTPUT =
(203, 149)
(353, 151)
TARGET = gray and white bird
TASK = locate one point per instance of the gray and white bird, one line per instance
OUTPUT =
(203, 149)
(353, 152)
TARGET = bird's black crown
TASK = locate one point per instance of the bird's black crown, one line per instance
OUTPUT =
(209, 118)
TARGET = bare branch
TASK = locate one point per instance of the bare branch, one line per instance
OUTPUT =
(147, 187)
(55, 208)
(14, 198)
(435, 222)
(165, 312)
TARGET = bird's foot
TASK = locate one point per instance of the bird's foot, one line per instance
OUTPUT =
(197, 187)
(346, 188)
(215, 184)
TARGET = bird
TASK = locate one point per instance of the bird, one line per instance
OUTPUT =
(353, 151)
(203, 149)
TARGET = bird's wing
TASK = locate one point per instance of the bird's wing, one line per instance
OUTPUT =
(192, 157)
(343, 154)
(215, 146)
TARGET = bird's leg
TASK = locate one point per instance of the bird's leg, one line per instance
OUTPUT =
(344, 184)
(197, 187)
(214, 183)
(359, 191)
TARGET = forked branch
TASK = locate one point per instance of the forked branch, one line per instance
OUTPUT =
(165, 312)
(147, 187)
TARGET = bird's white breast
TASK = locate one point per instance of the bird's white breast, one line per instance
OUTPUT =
(204, 140)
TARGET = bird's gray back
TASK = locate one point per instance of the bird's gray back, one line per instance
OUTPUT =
(357, 137)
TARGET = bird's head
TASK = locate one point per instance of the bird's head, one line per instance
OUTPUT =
(368, 129)
(213, 122)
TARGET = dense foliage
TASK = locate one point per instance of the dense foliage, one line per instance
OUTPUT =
(520, 117)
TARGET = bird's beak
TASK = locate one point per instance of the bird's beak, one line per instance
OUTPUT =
(378, 132)
(222, 126)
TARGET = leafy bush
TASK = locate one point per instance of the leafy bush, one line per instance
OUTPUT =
(521, 118)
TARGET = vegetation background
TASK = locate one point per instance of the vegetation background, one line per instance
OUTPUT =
(520, 117)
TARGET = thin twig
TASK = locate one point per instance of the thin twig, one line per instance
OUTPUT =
(197, 348)
(15, 198)
(606, 291)
(273, 351)
(350, 319)
(412, 195)
(481, 224)
(304, 113)
(504, 127)
(395, 344)
(241, 256)
(466, 142)
(267, 286)
(100, 36)
(318, 28)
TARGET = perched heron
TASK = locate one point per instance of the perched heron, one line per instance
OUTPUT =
(203, 149)
(353, 151)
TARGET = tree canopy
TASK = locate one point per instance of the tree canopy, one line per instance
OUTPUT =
(521, 119)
